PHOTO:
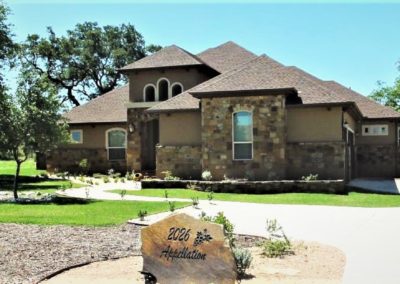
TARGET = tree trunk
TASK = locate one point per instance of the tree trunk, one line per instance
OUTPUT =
(72, 98)
(15, 188)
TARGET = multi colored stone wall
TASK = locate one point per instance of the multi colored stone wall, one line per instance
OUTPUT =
(67, 159)
(182, 161)
(269, 130)
(375, 160)
(325, 159)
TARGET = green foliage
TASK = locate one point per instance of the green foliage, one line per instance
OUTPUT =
(210, 196)
(226, 224)
(86, 60)
(310, 177)
(172, 206)
(206, 175)
(195, 201)
(106, 179)
(123, 193)
(166, 194)
(84, 166)
(243, 259)
(7, 46)
(142, 214)
(388, 95)
(168, 176)
(277, 243)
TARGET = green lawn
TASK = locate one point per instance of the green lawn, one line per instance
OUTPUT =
(96, 213)
(353, 199)
(28, 168)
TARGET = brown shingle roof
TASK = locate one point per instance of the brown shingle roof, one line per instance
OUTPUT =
(368, 107)
(110, 107)
(226, 56)
(169, 56)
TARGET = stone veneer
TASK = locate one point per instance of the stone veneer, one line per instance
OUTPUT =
(269, 129)
(376, 160)
(67, 159)
(325, 159)
(136, 117)
(182, 161)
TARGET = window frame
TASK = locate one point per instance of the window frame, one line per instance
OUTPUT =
(81, 136)
(370, 126)
(179, 84)
(242, 142)
(155, 92)
(158, 89)
(108, 148)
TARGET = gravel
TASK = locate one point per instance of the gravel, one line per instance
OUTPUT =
(29, 253)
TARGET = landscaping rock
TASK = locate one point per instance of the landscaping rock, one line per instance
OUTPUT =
(29, 253)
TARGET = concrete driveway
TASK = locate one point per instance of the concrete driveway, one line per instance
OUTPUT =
(391, 186)
(368, 236)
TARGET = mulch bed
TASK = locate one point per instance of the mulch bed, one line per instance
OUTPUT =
(29, 253)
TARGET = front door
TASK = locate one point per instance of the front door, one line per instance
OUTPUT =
(150, 139)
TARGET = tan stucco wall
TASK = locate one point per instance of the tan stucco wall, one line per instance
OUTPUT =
(94, 135)
(350, 120)
(388, 139)
(314, 124)
(180, 128)
(187, 76)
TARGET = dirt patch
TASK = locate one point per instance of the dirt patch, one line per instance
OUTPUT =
(311, 263)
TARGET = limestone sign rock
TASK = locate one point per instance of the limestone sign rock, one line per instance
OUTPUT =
(182, 249)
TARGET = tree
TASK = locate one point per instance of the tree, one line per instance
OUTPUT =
(85, 62)
(30, 122)
(388, 95)
(7, 45)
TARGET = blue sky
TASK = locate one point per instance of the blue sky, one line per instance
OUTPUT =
(354, 44)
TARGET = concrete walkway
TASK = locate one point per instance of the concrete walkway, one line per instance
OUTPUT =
(391, 186)
(368, 236)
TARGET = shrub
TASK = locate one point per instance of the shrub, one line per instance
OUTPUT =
(123, 193)
(195, 201)
(210, 196)
(142, 214)
(129, 176)
(110, 172)
(116, 180)
(122, 180)
(243, 259)
(206, 175)
(168, 176)
(106, 179)
(310, 177)
(192, 186)
(82, 179)
(226, 224)
(171, 206)
(277, 243)
(84, 166)
(166, 194)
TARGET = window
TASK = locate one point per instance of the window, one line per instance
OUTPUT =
(242, 135)
(176, 89)
(76, 136)
(163, 90)
(116, 144)
(375, 130)
(149, 93)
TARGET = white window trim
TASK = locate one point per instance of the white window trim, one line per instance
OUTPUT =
(157, 89)
(246, 142)
(179, 84)
(144, 92)
(374, 125)
(76, 130)
(126, 142)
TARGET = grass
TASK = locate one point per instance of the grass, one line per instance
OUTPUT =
(96, 213)
(28, 168)
(353, 199)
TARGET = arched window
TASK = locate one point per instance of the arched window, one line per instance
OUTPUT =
(163, 89)
(242, 135)
(176, 89)
(149, 93)
(116, 144)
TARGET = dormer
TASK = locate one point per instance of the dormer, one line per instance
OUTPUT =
(165, 74)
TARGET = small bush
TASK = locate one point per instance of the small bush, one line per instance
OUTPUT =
(122, 180)
(142, 214)
(243, 259)
(192, 186)
(110, 172)
(277, 243)
(116, 180)
(106, 179)
(172, 206)
(84, 166)
(123, 193)
(310, 177)
(206, 175)
(129, 176)
(168, 176)
(166, 194)
(195, 201)
(82, 179)
(226, 224)
(210, 196)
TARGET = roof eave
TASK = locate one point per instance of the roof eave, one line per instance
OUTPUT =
(172, 110)
(255, 92)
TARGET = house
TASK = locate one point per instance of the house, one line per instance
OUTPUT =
(235, 114)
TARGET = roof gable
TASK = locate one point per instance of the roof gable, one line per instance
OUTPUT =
(170, 56)
(226, 56)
